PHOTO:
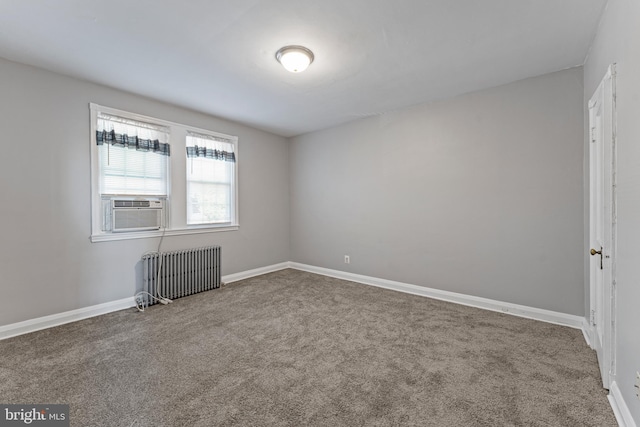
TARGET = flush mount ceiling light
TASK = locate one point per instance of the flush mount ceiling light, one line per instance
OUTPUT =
(294, 58)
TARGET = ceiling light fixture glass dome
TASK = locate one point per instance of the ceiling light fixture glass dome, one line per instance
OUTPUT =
(294, 58)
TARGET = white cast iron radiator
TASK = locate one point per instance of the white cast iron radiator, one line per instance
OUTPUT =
(180, 273)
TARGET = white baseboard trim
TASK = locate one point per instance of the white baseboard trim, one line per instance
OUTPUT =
(32, 325)
(478, 302)
(619, 406)
(483, 303)
(230, 278)
(587, 331)
(50, 321)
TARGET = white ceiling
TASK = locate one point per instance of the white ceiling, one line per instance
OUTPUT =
(371, 56)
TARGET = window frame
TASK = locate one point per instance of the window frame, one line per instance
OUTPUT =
(175, 202)
(233, 184)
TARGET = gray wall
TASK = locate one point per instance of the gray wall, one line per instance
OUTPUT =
(480, 194)
(618, 40)
(47, 264)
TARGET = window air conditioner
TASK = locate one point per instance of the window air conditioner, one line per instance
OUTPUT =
(136, 215)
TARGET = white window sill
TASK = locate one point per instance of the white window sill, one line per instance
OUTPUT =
(107, 237)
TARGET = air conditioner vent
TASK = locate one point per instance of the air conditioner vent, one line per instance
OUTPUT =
(131, 203)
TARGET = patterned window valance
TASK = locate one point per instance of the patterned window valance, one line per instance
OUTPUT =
(210, 147)
(120, 132)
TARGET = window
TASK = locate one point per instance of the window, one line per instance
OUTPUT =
(138, 181)
(133, 157)
(210, 179)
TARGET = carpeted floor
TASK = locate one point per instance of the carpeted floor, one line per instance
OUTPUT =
(296, 349)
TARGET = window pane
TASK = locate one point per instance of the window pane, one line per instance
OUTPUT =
(131, 170)
(208, 203)
(210, 191)
(127, 171)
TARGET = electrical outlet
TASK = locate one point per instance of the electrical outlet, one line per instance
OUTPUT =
(347, 260)
(637, 385)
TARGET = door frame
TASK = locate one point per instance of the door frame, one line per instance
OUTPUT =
(605, 348)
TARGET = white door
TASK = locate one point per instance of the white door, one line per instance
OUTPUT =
(602, 224)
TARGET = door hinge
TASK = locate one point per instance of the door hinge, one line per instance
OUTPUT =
(593, 134)
(593, 317)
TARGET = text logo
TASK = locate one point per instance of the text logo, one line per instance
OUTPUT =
(34, 415)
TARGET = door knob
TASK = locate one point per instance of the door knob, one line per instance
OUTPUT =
(594, 252)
